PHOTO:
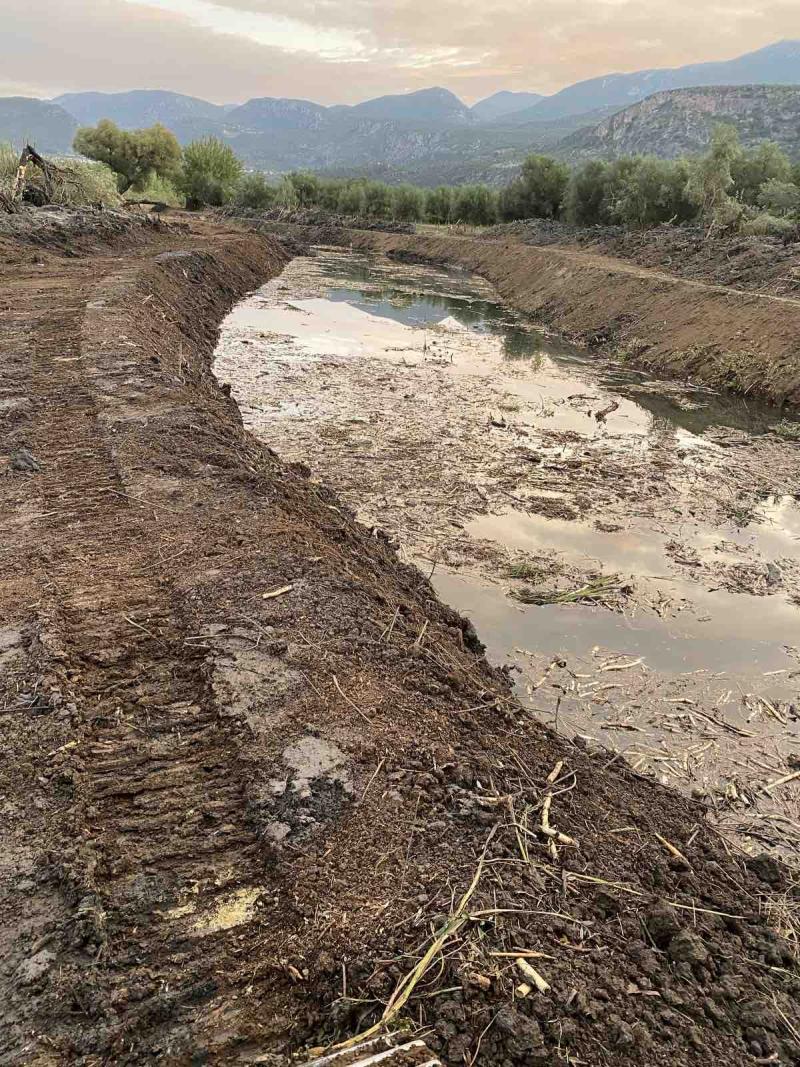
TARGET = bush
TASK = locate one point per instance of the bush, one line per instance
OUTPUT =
(87, 183)
(585, 196)
(407, 203)
(474, 204)
(351, 200)
(766, 225)
(750, 170)
(77, 182)
(439, 204)
(648, 192)
(779, 198)
(306, 187)
(377, 200)
(711, 181)
(538, 192)
(158, 190)
(211, 173)
(254, 192)
(134, 155)
(286, 195)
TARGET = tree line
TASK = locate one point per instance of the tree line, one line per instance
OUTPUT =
(756, 191)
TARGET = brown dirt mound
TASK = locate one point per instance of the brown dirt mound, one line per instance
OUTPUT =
(256, 773)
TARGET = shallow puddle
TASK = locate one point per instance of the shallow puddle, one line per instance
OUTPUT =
(489, 449)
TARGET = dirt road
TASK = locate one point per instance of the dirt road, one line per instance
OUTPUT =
(255, 774)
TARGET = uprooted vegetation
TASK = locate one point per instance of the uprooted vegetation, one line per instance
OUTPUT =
(29, 178)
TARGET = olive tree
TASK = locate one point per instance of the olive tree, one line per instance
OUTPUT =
(439, 204)
(133, 155)
(750, 170)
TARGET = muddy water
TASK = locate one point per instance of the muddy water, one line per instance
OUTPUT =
(506, 462)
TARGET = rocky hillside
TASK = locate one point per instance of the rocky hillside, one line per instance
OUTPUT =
(680, 122)
(39, 122)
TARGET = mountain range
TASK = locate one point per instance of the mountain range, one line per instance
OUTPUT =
(428, 136)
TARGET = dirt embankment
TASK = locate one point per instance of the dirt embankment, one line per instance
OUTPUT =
(675, 326)
(763, 264)
(253, 766)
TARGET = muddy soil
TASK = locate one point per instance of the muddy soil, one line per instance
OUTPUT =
(261, 788)
(511, 468)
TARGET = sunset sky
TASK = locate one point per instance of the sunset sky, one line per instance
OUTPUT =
(343, 51)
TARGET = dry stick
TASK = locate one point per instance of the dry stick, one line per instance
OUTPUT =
(406, 987)
(673, 851)
(387, 633)
(354, 706)
(375, 774)
(547, 829)
(781, 781)
(530, 972)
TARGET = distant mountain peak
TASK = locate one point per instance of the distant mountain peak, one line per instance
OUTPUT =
(774, 64)
(434, 105)
(505, 102)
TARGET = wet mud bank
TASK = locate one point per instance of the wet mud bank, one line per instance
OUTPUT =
(261, 789)
(676, 327)
(628, 547)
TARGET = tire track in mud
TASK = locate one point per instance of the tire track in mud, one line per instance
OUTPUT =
(160, 810)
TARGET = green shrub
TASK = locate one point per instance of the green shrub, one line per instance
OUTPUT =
(750, 170)
(439, 204)
(377, 200)
(766, 225)
(351, 200)
(711, 181)
(408, 204)
(211, 173)
(779, 198)
(76, 182)
(306, 187)
(538, 192)
(158, 190)
(646, 192)
(474, 204)
(286, 195)
(254, 192)
(86, 183)
(585, 196)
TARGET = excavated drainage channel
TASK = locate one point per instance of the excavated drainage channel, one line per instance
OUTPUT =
(489, 450)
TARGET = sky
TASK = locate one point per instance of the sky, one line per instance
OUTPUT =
(343, 51)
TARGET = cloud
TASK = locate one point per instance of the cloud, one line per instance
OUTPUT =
(342, 51)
